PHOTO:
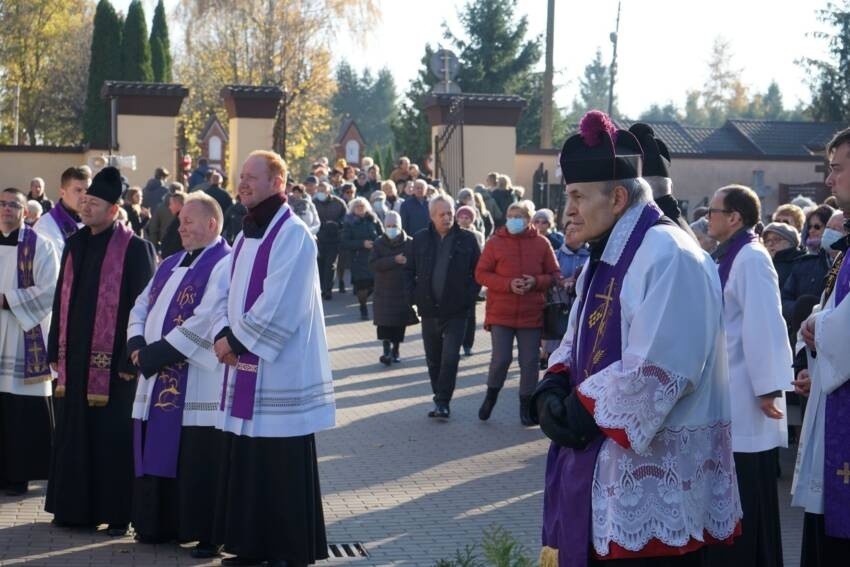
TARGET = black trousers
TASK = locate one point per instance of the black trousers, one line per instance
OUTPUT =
(328, 252)
(442, 341)
(696, 558)
(469, 335)
(819, 549)
(760, 542)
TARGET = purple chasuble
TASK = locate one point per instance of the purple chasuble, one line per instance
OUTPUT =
(724, 264)
(157, 448)
(66, 223)
(836, 465)
(248, 364)
(35, 355)
(597, 344)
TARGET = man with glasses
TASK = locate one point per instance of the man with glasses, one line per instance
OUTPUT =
(759, 370)
(28, 269)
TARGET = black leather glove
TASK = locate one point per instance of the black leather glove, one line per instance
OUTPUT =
(564, 419)
(157, 356)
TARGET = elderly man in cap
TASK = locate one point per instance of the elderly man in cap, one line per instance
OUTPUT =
(104, 267)
(636, 399)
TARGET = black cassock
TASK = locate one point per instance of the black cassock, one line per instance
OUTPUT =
(91, 469)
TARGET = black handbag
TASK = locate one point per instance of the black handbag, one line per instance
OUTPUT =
(556, 312)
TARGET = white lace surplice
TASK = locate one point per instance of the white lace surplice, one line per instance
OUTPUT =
(669, 394)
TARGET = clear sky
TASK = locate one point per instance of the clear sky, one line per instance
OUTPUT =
(663, 48)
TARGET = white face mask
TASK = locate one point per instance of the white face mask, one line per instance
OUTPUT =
(829, 237)
(320, 196)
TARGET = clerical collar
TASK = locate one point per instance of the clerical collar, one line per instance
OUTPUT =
(723, 247)
(597, 247)
(11, 239)
(73, 215)
(258, 218)
(190, 257)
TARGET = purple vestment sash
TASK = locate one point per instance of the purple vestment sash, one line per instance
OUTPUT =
(597, 344)
(157, 448)
(836, 465)
(35, 356)
(105, 316)
(66, 223)
(248, 364)
(724, 265)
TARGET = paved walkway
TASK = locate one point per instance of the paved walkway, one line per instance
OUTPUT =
(412, 490)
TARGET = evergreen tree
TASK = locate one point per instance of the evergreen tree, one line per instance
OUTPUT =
(495, 58)
(369, 102)
(160, 46)
(389, 162)
(105, 65)
(528, 129)
(658, 113)
(135, 49)
(593, 89)
(411, 129)
(830, 82)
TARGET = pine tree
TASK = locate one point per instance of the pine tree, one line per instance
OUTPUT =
(830, 80)
(105, 65)
(411, 129)
(160, 46)
(135, 49)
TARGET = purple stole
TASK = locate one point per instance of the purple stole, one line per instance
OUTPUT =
(35, 356)
(836, 465)
(67, 225)
(106, 317)
(596, 345)
(248, 364)
(156, 450)
(724, 265)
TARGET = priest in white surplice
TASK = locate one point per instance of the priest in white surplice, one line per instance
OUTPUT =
(28, 271)
(277, 390)
(176, 444)
(636, 401)
(822, 475)
(759, 371)
(63, 220)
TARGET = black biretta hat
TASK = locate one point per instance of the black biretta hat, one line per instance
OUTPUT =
(600, 152)
(107, 185)
(656, 157)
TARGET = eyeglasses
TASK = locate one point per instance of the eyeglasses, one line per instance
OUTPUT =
(712, 211)
(11, 204)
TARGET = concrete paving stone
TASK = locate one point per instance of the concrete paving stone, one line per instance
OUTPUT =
(412, 490)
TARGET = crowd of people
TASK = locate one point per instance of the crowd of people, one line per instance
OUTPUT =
(176, 340)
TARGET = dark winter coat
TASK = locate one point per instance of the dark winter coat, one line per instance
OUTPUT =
(506, 257)
(783, 261)
(414, 215)
(221, 197)
(331, 211)
(355, 231)
(807, 276)
(390, 305)
(233, 221)
(460, 289)
(504, 198)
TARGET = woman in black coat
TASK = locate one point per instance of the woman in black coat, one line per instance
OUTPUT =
(391, 309)
(360, 229)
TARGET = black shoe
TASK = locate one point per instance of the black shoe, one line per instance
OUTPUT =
(488, 404)
(364, 313)
(385, 360)
(467, 351)
(17, 488)
(341, 287)
(205, 550)
(116, 530)
(525, 411)
(440, 411)
(150, 540)
(327, 295)
(396, 357)
(241, 561)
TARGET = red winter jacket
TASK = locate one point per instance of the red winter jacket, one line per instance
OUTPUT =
(507, 256)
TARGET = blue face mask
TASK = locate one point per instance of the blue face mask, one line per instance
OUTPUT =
(829, 237)
(515, 226)
(320, 196)
(393, 231)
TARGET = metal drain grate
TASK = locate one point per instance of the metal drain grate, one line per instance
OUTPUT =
(347, 549)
